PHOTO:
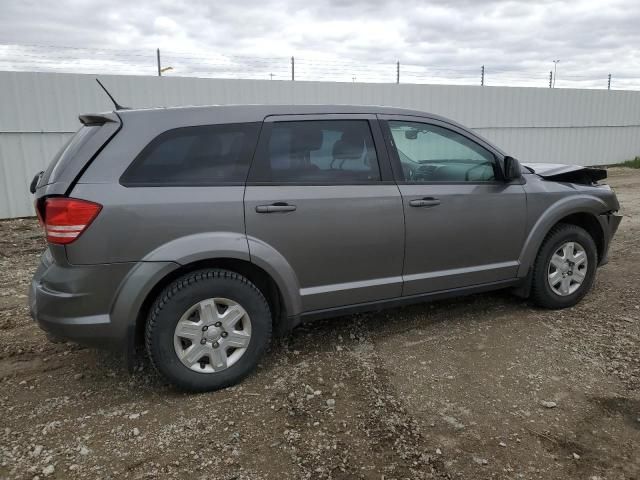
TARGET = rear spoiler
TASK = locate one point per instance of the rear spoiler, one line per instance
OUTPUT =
(89, 119)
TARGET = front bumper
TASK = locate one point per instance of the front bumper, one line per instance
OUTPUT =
(614, 222)
(609, 223)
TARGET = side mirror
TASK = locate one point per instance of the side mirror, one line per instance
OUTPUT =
(512, 169)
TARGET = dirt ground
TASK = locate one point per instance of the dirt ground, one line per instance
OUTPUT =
(452, 389)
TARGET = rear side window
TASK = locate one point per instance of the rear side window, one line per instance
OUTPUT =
(318, 151)
(202, 155)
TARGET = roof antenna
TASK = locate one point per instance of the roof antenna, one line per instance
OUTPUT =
(115, 104)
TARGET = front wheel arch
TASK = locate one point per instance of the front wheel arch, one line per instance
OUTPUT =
(542, 293)
(590, 223)
(580, 210)
(586, 220)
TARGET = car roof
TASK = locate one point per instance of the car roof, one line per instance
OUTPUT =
(157, 120)
(259, 112)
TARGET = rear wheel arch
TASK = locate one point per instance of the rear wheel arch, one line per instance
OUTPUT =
(260, 278)
(208, 329)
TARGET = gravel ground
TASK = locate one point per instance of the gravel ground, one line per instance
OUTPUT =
(478, 387)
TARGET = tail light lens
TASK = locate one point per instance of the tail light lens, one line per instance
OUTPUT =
(66, 218)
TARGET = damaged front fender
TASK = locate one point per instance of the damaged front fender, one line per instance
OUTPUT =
(567, 173)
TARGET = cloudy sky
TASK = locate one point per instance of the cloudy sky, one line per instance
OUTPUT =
(444, 41)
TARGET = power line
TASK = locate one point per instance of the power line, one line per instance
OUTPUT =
(62, 58)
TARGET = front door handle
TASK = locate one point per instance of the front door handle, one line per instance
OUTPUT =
(275, 207)
(425, 202)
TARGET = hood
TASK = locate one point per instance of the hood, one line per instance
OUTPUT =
(567, 173)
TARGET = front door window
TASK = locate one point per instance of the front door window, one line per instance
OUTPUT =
(429, 153)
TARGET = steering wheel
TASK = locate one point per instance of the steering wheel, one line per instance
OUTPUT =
(483, 164)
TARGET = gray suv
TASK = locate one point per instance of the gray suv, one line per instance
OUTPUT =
(198, 232)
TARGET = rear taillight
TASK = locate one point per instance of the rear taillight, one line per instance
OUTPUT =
(66, 218)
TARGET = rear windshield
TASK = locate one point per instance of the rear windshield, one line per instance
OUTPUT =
(67, 152)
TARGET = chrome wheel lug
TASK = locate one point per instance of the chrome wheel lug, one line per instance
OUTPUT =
(205, 328)
(218, 324)
(224, 334)
(215, 345)
(203, 341)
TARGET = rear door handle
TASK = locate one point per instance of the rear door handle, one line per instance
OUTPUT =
(425, 202)
(275, 207)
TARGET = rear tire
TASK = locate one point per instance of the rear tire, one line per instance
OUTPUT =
(208, 330)
(565, 267)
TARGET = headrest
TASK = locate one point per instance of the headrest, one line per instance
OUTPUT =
(349, 147)
(305, 138)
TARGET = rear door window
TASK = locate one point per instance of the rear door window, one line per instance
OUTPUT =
(200, 155)
(325, 152)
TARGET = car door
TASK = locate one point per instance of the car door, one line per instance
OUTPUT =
(320, 192)
(465, 226)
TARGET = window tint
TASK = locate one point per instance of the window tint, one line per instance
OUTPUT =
(318, 151)
(202, 155)
(429, 153)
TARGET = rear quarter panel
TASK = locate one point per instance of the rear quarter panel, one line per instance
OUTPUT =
(135, 223)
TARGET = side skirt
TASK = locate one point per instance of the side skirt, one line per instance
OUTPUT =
(402, 301)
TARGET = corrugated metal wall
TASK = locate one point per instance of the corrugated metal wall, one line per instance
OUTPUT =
(38, 113)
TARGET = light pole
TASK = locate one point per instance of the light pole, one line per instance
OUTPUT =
(555, 70)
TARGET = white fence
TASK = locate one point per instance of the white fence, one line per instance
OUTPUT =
(38, 113)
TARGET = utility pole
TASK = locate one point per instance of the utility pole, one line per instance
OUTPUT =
(398, 71)
(609, 83)
(271, 76)
(550, 78)
(293, 69)
(159, 66)
(482, 76)
(555, 71)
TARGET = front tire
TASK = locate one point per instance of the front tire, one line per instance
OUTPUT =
(565, 267)
(208, 330)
